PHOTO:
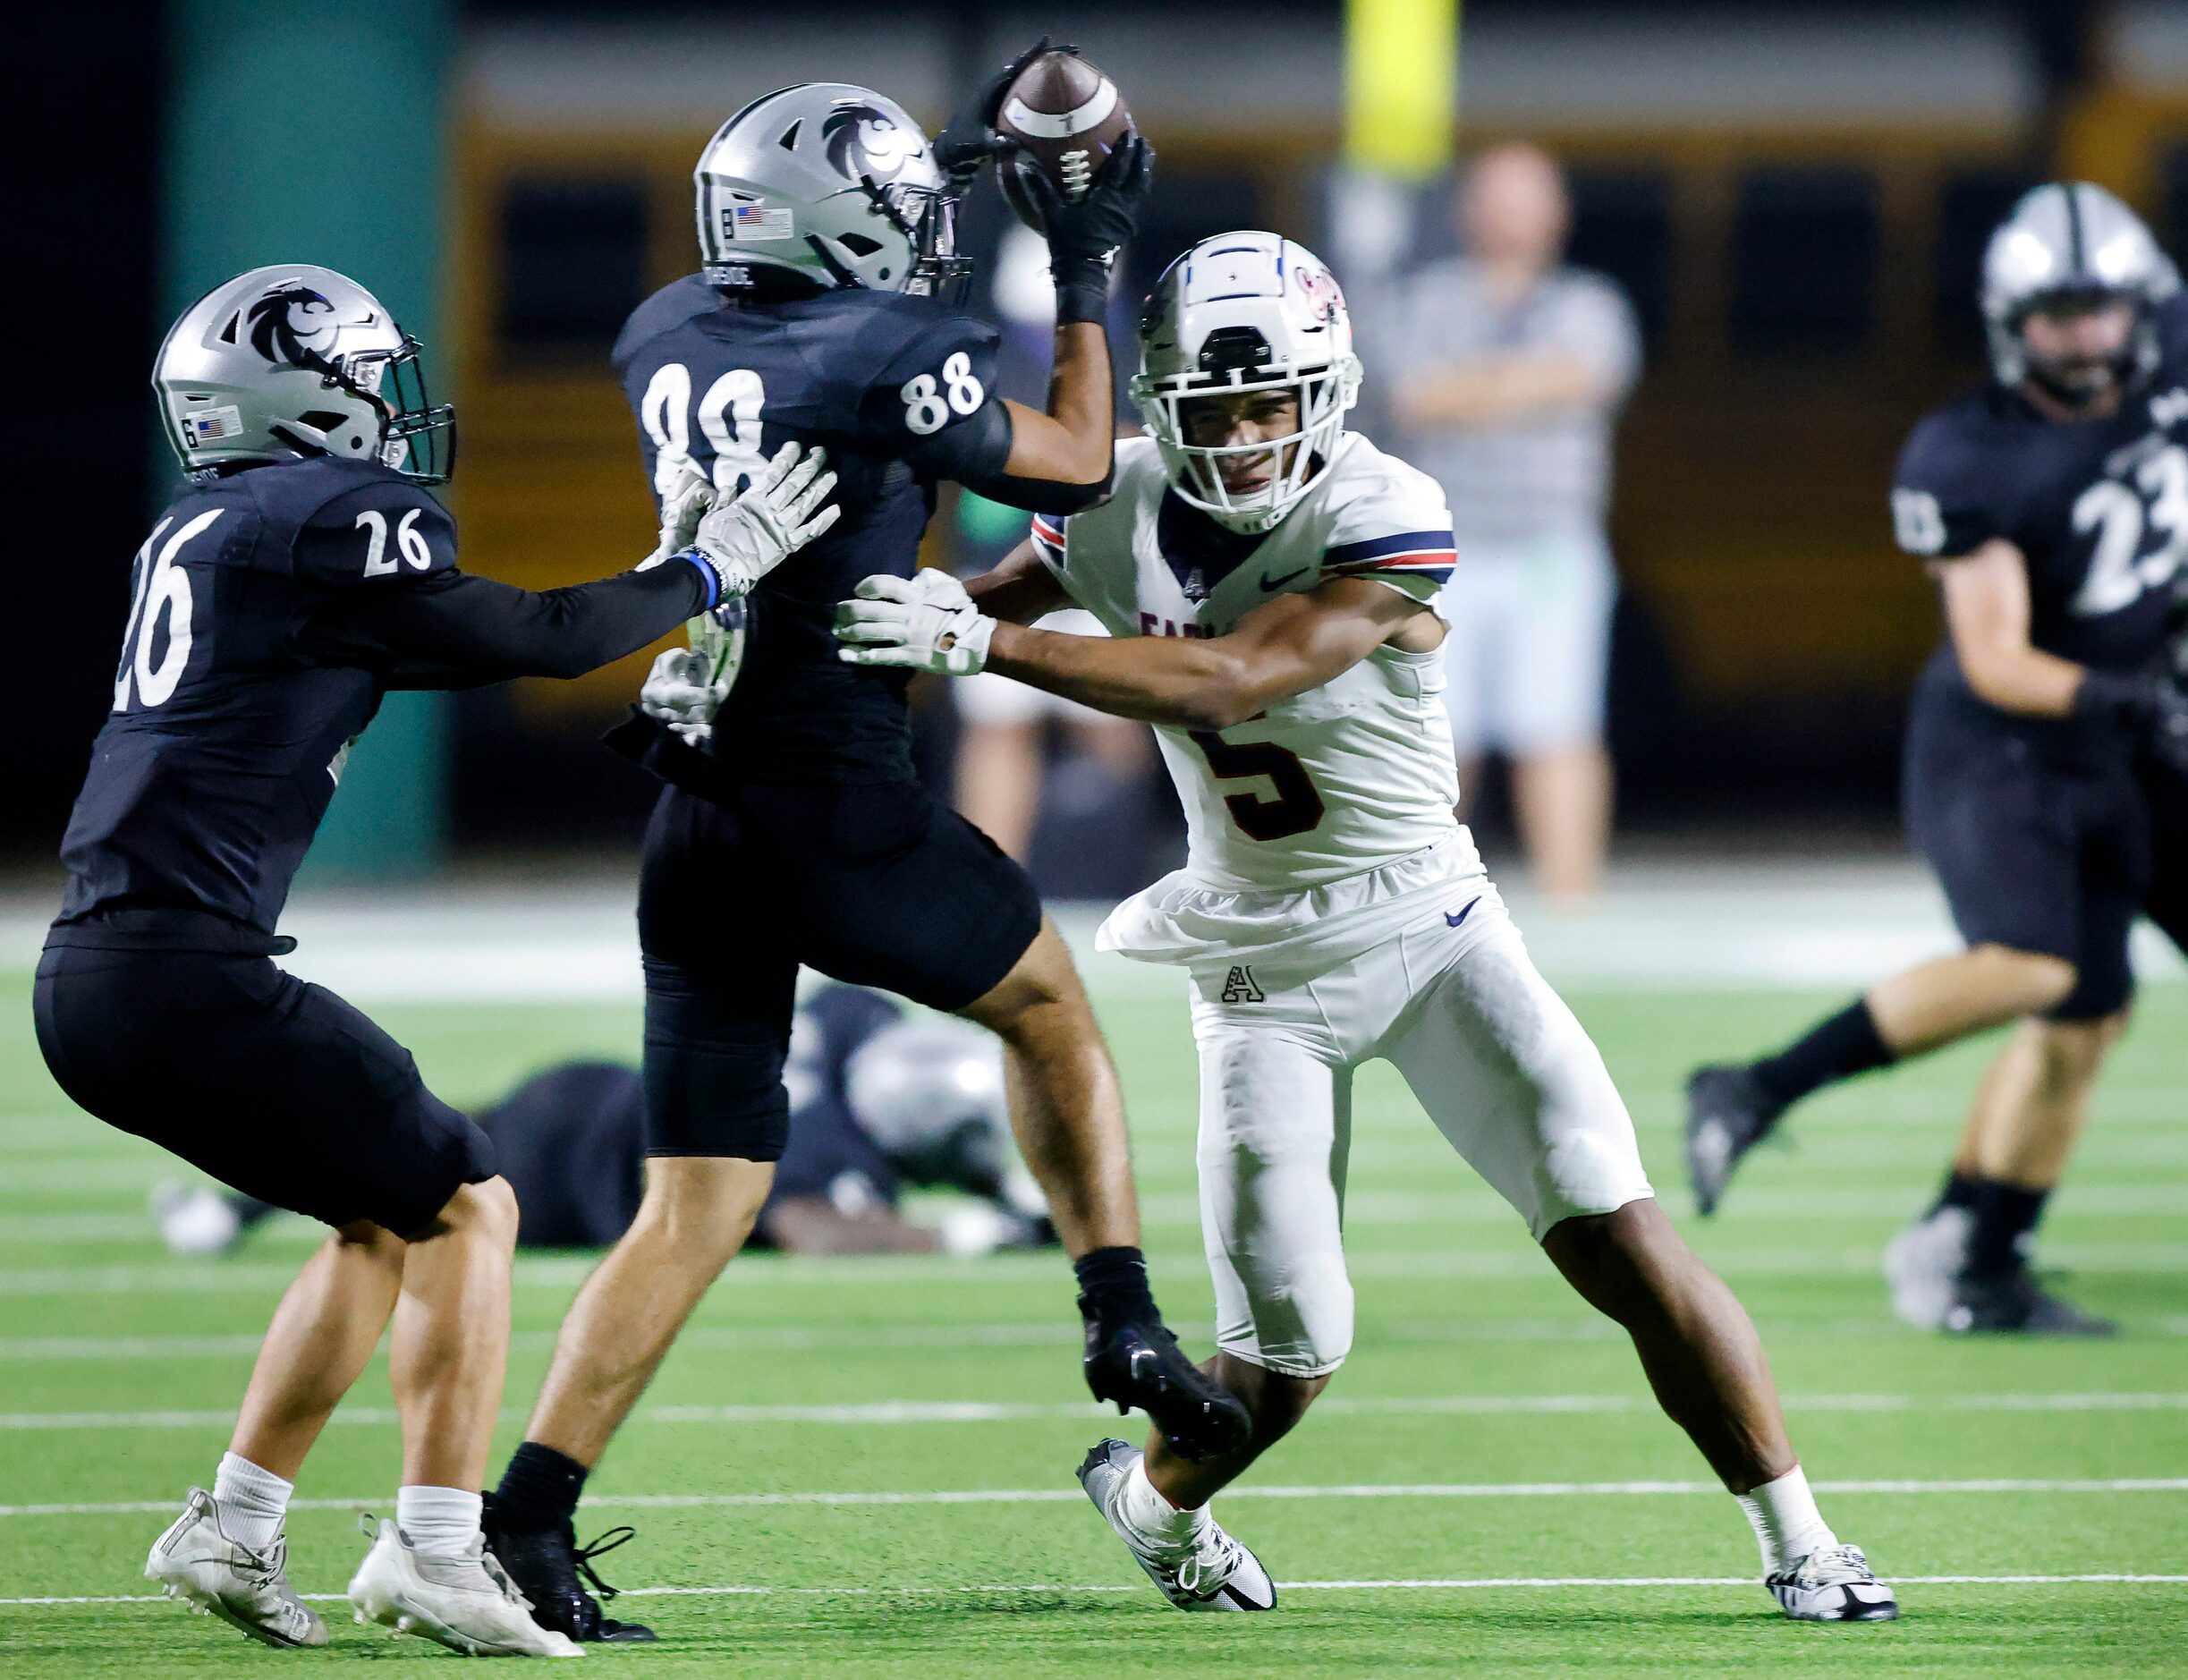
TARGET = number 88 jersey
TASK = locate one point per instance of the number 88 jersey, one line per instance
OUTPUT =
(2098, 508)
(898, 390)
(1329, 784)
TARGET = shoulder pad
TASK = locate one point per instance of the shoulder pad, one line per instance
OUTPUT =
(1390, 523)
(382, 530)
(666, 309)
(1955, 482)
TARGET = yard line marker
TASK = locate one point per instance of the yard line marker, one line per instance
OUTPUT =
(1060, 1496)
(872, 1413)
(1471, 1584)
(2127, 1259)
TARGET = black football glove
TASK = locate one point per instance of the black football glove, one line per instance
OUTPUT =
(1137, 1362)
(971, 138)
(1083, 233)
(2150, 704)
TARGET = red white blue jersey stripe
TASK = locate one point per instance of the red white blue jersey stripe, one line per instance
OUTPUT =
(1049, 538)
(1418, 552)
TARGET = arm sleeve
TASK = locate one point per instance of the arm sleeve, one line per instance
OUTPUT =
(1943, 499)
(1398, 535)
(452, 629)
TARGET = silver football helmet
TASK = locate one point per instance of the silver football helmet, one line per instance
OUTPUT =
(1246, 312)
(293, 361)
(832, 182)
(2069, 243)
(930, 1093)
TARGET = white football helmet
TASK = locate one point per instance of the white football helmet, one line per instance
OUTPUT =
(1246, 311)
(295, 361)
(833, 181)
(2068, 241)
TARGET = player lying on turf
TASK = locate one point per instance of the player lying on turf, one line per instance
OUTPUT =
(1267, 580)
(879, 1102)
(794, 831)
(2052, 507)
(301, 575)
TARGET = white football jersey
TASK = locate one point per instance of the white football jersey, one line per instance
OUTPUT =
(1342, 779)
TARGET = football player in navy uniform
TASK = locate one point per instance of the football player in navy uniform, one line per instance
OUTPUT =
(2052, 508)
(794, 831)
(302, 574)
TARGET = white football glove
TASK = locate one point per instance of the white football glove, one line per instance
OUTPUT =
(684, 500)
(745, 538)
(926, 622)
(682, 692)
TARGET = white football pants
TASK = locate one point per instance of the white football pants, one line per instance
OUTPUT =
(1500, 1063)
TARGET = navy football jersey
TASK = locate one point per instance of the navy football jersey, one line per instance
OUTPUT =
(898, 389)
(2098, 508)
(270, 611)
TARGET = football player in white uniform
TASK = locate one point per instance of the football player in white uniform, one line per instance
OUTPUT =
(1268, 582)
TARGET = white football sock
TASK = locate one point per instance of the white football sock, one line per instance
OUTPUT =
(1787, 1525)
(251, 1502)
(438, 1522)
(1153, 1518)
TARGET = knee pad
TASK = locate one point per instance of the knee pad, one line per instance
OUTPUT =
(1298, 1316)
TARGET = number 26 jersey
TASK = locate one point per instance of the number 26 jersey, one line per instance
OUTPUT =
(1329, 784)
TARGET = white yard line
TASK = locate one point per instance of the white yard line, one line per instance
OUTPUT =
(1464, 1583)
(871, 1412)
(1064, 1496)
(2132, 1259)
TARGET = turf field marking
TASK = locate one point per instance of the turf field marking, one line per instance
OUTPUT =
(869, 1412)
(1062, 1496)
(2125, 1259)
(1475, 1584)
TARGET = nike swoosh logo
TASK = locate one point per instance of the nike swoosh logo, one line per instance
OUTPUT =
(1269, 586)
(1451, 920)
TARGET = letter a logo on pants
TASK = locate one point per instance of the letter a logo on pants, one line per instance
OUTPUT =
(1239, 988)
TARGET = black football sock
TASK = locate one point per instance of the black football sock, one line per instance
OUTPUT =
(1845, 1044)
(1958, 1190)
(2005, 1217)
(1113, 1285)
(540, 1488)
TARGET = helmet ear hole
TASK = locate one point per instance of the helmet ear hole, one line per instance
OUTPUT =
(320, 420)
(858, 244)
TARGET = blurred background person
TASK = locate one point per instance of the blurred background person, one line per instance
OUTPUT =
(880, 1102)
(1005, 772)
(1514, 367)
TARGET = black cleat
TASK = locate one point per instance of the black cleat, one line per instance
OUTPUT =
(1727, 1114)
(2014, 1304)
(1140, 1365)
(547, 1564)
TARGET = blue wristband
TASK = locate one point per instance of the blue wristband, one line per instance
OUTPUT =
(706, 570)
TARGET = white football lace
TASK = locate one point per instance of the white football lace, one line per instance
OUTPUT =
(1833, 1566)
(1212, 1561)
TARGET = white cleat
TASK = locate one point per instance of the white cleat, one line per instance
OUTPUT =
(1211, 1572)
(466, 1603)
(194, 1220)
(197, 1562)
(1835, 1584)
(1923, 1264)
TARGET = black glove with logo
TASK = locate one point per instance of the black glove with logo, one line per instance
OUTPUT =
(1083, 234)
(971, 138)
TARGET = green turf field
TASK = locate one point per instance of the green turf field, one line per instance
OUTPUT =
(865, 1467)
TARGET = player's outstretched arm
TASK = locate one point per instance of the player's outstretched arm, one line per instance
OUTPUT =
(449, 629)
(1071, 445)
(1294, 643)
(1019, 588)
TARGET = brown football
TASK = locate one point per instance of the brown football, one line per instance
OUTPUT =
(1066, 117)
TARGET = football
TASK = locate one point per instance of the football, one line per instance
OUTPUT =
(1066, 117)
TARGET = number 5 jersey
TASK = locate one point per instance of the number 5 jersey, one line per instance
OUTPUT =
(1306, 824)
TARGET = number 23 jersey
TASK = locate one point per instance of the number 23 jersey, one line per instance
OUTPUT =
(2099, 509)
(1340, 779)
